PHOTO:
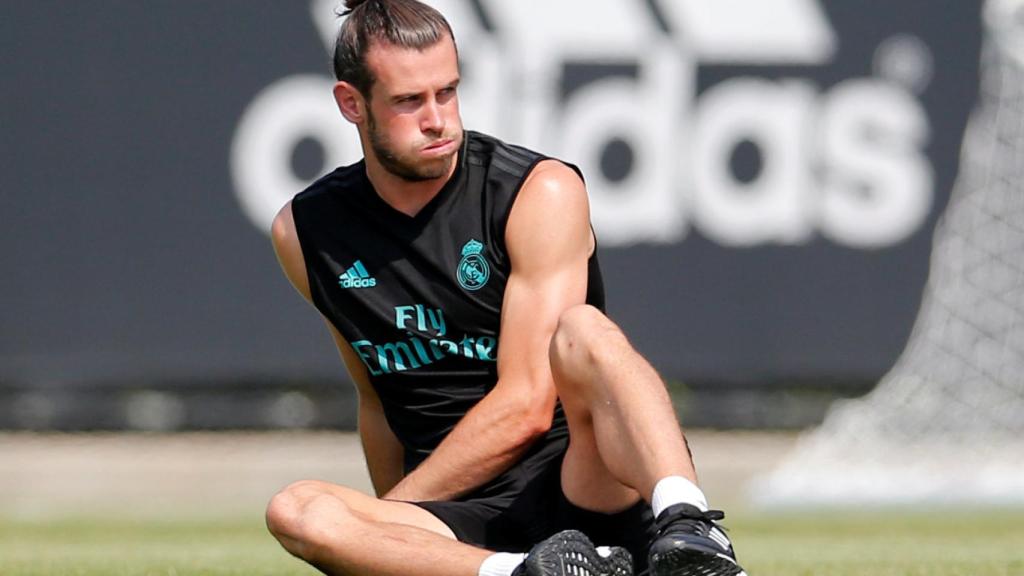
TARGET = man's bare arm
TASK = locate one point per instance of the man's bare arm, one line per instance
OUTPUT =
(549, 240)
(383, 451)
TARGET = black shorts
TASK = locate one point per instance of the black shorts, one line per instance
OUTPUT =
(526, 505)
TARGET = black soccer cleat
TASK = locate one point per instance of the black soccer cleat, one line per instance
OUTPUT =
(571, 553)
(690, 543)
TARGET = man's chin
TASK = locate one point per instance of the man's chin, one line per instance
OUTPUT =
(436, 168)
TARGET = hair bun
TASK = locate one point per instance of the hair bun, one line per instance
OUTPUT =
(352, 4)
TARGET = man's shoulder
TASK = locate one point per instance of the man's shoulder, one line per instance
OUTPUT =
(487, 150)
(341, 178)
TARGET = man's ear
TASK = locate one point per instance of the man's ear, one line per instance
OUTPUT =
(350, 102)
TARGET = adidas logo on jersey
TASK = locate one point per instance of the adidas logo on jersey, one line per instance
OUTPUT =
(357, 277)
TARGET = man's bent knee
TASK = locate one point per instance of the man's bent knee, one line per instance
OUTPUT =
(307, 520)
(285, 508)
(581, 332)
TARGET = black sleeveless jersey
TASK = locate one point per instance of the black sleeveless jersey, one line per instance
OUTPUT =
(419, 298)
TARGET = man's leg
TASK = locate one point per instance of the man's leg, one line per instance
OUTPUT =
(624, 435)
(342, 531)
(625, 443)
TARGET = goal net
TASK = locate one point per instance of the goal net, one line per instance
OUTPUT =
(946, 425)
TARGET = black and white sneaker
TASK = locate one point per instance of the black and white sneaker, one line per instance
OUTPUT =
(690, 543)
(571, 553)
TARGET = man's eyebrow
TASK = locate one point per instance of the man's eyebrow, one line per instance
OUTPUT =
(403, 95)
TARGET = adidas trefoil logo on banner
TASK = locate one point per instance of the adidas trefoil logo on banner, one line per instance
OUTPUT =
(357, 277)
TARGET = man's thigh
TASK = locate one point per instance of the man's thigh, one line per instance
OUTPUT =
(378, 510)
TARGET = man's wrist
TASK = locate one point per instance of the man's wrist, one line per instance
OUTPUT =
(404, 491)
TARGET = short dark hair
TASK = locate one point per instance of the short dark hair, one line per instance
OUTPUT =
(403, 23)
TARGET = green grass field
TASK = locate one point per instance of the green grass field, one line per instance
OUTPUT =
(861, 544)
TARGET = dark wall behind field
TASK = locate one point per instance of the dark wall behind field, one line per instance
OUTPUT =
(133, 279)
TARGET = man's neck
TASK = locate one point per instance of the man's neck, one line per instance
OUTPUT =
(402, 195)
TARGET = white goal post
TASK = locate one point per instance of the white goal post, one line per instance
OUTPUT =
(946, 425)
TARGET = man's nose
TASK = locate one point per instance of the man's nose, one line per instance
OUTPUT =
(432, 119)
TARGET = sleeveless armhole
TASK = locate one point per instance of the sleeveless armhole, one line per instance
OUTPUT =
(302, 226)
(595, 282)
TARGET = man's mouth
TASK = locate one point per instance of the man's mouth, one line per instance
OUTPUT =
(440, 147)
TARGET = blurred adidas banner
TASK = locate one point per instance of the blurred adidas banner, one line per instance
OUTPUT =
(765, 177)
(616, 87)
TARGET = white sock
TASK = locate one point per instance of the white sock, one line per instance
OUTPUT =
(677, 490)
(501, 564)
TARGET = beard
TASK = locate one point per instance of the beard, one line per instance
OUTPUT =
(407, 166)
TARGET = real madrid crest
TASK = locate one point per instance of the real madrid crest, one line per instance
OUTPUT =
(473, 271)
